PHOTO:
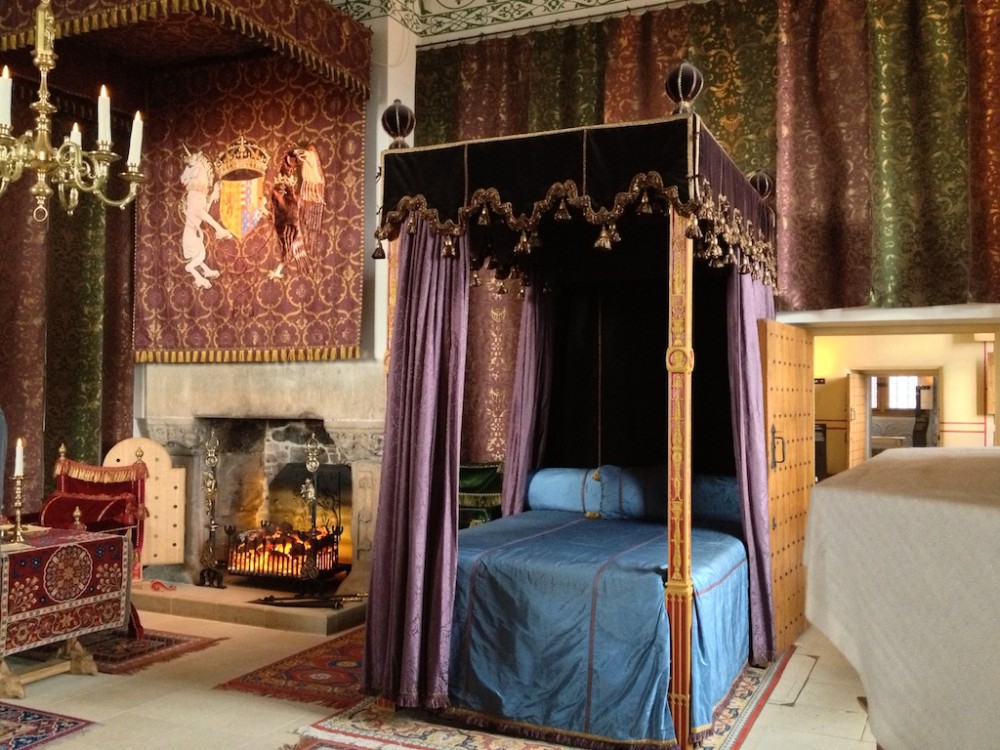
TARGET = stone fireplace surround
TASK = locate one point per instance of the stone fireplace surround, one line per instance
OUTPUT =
(178, 405)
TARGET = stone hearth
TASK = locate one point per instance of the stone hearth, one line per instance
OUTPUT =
(235, 603)
(252, 452)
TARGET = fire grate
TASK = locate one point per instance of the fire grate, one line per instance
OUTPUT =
(281, 552)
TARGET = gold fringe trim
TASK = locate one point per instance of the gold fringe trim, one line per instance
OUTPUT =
(230, 356)
(100, 474)
(154, 9)
(722, 235)
(480, 499)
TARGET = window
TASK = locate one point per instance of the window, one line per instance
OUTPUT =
(903, 392)
(894, 392)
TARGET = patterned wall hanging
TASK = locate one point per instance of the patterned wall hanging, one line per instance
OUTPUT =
(250, 243)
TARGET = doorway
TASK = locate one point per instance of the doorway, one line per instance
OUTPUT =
(892, 409)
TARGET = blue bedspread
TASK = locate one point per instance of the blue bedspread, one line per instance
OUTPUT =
(560, 623)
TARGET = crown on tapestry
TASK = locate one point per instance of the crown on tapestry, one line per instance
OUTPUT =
(242, 160)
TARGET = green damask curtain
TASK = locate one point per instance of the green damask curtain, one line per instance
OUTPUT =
(504, 86)
(88, 327)
(880, 214)
(74, 336)
(878, 118)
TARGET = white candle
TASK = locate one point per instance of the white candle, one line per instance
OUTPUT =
(5, 84)
(19, 458)
(135, 145)
(41, 37)
(75, 136)
(104, 116)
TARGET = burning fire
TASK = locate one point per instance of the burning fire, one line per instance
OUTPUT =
(283, 551)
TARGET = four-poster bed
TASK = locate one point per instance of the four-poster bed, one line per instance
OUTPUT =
(621, 237)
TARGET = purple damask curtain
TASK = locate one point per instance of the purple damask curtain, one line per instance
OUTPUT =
(748, 301)
(408, 626)
(529, 402)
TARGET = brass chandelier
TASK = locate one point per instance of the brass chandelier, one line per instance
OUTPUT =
(67, 170)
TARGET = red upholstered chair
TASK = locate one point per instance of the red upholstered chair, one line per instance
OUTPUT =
(100, 498)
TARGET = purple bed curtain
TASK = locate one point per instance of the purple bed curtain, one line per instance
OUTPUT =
(408, 625)
(529, 403)
(748, 301)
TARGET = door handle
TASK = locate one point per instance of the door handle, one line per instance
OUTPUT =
(776, 440)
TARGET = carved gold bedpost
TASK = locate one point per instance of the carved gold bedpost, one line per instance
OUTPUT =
(680, 363)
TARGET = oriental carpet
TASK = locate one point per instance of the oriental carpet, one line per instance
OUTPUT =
(22, 727)
(363, 723)
(328, 674)
(115, 652)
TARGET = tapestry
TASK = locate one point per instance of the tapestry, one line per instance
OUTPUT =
(22, 728)
(250, 227)
(328, 674)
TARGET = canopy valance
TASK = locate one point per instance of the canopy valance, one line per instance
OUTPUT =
(323, 38)
(599, 175)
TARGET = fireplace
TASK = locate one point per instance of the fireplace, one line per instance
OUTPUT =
(252, 453)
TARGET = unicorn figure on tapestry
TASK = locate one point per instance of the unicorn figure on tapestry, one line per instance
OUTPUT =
(202, 192)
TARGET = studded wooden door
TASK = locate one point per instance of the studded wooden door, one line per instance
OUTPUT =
(789, 408)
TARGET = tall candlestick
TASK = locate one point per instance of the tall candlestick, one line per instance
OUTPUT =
(5, 92)
(19, 458)
(104, 116)
(18, 504)
(135, 144)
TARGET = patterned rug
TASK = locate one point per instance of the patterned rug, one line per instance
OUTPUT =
(371, 727)
(745, 704)
(328, 674)
(116, 653)
(22, 728)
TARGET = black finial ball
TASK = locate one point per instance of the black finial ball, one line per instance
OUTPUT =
(398, 121)
(683, 85)
(762, 182)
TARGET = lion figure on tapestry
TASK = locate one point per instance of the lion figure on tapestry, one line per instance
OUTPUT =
(201, 192)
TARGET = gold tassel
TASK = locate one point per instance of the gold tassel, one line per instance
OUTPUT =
(562, 214)
(603, 239)
(475, 281)
(644, 207)
(448, 250)
(501, 287)
(379, 253)
(522, 247)
(484, 217)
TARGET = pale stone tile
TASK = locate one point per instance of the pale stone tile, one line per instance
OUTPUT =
(793, 678)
